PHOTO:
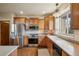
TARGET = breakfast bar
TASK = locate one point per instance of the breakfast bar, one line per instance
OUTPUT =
(8, 50)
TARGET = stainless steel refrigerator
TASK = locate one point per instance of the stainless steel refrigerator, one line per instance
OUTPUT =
(20, 32)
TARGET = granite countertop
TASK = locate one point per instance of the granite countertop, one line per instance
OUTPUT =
(68, 38)
(6, 50)
(70, 48)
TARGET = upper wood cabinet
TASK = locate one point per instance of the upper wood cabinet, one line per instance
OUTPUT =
(34, 21)
(41, 24)
(52, 23)
(26, 20)
(49, 23)
(19, 19)
(75, 15)
(46, 23)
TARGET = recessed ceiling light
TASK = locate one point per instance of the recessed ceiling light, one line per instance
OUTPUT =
(43, 12)
(21, 12)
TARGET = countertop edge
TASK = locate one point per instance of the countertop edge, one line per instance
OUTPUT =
(12, 50)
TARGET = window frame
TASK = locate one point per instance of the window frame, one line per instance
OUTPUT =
(67, 16)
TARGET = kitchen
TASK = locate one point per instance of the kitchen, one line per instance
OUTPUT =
(43, 31)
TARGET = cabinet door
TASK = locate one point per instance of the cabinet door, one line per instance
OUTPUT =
(34, 21)
(0, 33)
(46, 24)
(49, 46)
(25, 40)
(75, 15)
(64, 54)
(41, 25)
(19, 19)
(43, 43)
(51, 23)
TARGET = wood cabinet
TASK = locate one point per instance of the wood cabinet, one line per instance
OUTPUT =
(46, 23)
(43, 43)
(41, 25)
(49, 23)
(64, 54)
(34, 21)
(4, 33)
(19, 19)
(50, 46)
(75, 15)
(26, 20)
(25, 40)
(47, 43)
(54, 49)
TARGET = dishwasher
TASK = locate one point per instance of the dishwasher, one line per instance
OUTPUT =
(57, 50)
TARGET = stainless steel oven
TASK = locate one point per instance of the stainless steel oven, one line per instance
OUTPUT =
(33, 39)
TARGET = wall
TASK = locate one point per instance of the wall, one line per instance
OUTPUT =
(9, 17)
(76, 32)
(5, 16)
(63, 9)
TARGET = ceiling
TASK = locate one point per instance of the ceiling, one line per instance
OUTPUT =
(29, 9)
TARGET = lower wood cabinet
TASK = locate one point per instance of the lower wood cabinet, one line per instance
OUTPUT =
(50, 46)
(47, 43)
(43, 42)
(25, 40)
(64, 54)
(50, 49)
(54, 49)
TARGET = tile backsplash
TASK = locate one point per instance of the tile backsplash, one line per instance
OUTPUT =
(76, 35)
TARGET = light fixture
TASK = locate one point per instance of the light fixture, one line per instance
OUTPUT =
(21, 12)
(43, 12)
(57, 4)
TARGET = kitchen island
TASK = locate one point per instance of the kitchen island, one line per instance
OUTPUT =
(8, 50)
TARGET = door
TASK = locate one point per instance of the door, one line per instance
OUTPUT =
(4, 33)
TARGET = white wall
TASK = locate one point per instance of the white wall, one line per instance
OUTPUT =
(63, 9)
(6, 16)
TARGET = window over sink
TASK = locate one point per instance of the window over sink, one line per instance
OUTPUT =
(63, 24)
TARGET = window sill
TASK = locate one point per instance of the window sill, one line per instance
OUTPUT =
(69, 38)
